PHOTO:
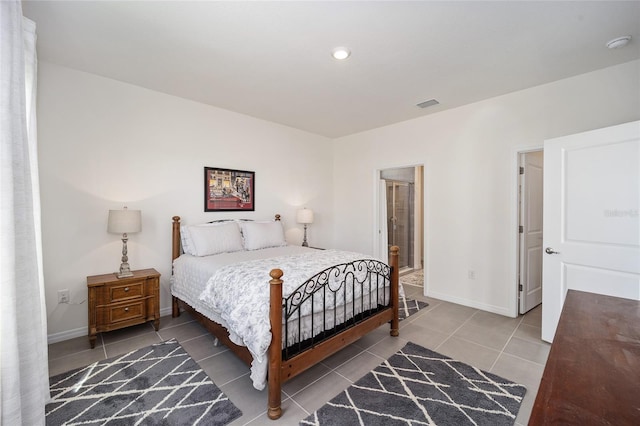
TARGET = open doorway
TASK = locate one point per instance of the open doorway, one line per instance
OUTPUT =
(530, 230)
(401, 218)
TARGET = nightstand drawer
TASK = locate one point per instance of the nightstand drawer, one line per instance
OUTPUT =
(124, 292)
(126, 312)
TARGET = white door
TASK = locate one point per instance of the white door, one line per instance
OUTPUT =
(591, 217)
(530, 270)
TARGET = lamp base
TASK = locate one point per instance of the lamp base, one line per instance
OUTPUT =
(125, 271)
(304, 241)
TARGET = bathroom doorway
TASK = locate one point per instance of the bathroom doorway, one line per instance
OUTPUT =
(401, 215)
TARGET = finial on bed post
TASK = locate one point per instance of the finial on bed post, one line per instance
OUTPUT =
(275, 348)
(395, 276)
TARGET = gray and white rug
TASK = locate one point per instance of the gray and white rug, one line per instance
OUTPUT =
(159, 384)
(417, 386)
(409, 307)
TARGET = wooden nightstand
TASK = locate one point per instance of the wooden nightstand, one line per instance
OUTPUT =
(117, 303)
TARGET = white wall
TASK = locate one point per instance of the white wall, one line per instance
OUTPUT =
(104, 144)
(469, 154)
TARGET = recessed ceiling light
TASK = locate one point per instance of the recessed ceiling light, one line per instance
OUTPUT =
(341, 53)
(619, 42)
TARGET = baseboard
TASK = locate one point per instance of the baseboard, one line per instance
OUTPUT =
(165, 311)
(82, 331)
(66, 335)
(500, 310)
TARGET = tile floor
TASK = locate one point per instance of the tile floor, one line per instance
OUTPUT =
(509, 347)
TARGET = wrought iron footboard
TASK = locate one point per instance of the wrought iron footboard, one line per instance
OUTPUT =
(332, 301)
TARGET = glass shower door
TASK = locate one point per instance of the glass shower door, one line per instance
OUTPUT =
(400, 207)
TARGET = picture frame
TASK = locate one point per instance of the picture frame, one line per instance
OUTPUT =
(228, 190)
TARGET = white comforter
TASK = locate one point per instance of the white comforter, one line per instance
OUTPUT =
(237, 292)
(240, 292)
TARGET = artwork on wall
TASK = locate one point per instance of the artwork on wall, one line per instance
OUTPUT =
(228, 190)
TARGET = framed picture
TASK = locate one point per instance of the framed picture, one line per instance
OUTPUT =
(228, 190)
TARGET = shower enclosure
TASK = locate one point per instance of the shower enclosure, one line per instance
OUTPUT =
(400, 220)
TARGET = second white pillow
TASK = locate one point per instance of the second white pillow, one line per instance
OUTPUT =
(258, 235)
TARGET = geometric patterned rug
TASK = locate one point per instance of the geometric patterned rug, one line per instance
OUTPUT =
(159, 384)
(417, 386)
(409, 307)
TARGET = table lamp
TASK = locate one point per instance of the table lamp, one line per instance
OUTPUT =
(124, 222)
(305, 216)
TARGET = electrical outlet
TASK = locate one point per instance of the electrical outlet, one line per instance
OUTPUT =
(472, 274)
(63, 296)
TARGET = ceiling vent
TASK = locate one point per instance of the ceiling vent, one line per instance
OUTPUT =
(426, 104)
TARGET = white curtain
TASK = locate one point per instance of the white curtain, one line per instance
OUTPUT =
(24, 380)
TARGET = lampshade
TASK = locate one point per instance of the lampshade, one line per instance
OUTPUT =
(305, 216)
(124, 221)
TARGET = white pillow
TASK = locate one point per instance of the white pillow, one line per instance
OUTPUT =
(205, 240)
(258, 235)
(185, 240)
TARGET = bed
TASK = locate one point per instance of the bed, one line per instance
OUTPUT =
(323, 301)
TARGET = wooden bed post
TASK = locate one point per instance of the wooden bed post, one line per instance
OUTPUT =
(175, 238)
(175, 253)
(395, 274)
(275, 349)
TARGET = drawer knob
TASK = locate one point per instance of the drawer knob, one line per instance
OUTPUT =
(126, 309)
(126, 289)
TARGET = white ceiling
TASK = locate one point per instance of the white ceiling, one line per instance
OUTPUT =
(272, 60)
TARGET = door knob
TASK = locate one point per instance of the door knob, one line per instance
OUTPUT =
(549, 250)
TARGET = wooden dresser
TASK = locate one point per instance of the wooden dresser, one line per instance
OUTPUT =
(592, 375)
(117, 303)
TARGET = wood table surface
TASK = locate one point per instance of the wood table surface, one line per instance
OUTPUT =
(592, 375)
